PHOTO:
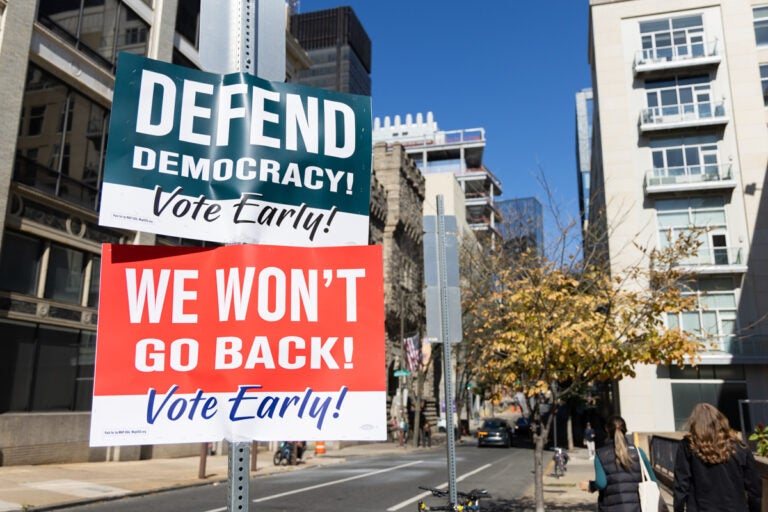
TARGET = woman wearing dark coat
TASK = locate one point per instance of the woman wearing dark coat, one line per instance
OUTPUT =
(714, 471)
(617, 471)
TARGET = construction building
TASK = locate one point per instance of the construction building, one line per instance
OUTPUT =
(679, 143)
(455, 152)
(339, 48)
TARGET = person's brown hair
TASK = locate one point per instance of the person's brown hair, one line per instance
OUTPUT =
(710, 435)
(617, 429)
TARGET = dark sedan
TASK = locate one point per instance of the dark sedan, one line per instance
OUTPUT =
(495, 431)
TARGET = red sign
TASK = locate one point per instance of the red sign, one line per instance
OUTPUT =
(239, 342)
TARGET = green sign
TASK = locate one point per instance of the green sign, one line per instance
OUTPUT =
(234, 158)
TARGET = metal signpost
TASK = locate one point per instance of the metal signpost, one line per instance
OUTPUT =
(247, 36)
(442, 246)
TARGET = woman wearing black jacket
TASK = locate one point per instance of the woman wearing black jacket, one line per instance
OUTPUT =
(714, 471)
(617, 471)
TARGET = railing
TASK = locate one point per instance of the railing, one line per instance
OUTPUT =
(440, 138)
(47, 180)
(663, 448)
(689, 174)
(682, 113)
(461, 136)
(714, 256)
(75, 42)
(663, 451)
(676, 53)
(735, 344)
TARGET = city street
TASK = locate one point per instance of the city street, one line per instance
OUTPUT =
(379, 482)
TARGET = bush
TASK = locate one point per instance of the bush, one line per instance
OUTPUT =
(761, 437)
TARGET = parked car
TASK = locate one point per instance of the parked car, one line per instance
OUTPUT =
(495, 431)
(523, 428)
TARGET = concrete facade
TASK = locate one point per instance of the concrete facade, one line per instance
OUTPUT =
(679, 140)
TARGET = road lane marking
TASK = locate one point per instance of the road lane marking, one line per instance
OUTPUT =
(416, 498)
(335, 482)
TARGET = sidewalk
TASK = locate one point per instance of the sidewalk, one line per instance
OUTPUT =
(47, 487)
(561, 494)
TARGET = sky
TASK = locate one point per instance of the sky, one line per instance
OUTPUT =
(512, 67)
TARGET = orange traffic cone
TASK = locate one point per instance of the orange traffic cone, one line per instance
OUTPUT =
(319, 447)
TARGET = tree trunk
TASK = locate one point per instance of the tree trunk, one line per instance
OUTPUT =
(540, 441)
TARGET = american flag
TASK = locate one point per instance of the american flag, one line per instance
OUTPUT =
(413, 352)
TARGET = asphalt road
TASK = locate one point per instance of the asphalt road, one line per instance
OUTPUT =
(366, 483)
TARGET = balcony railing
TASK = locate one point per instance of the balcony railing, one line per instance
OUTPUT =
(689, 177)
(735, 344)
(683, 115)
(716, 260)
(680, 55)
(42, 178)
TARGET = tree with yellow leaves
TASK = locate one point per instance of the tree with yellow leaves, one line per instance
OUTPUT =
(551, 329)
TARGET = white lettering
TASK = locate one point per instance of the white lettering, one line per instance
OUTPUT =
(149, 82)
(182, 295)
(296, 119)
(190, 110)
(145, 295)
(259, 116)
(348, 128)
(226, 113)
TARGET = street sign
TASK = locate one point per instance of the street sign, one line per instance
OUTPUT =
(402, 373)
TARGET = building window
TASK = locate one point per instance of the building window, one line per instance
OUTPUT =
(188, 21)
(673, 38)
(720, 385)
(764, 82)
(45, 368)
(36, 118)
(714, 319)
(20, 263)
(681, 98)
(98, 28)
(676, 217)
(693, 157)
(64, 164)
(63, 276)
(761, 25)
(93, 289)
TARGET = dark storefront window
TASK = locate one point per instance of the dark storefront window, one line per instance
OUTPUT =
(20, 263)
(66, 163)
(98, 28)
(66, 274)
(93, 290)
(45, 368)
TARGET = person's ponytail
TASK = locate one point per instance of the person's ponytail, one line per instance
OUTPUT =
(617, 429)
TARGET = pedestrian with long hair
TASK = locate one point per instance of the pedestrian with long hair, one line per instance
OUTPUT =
(617, 471)
(714, 470)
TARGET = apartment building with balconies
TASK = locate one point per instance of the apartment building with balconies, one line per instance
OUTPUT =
(680, 142)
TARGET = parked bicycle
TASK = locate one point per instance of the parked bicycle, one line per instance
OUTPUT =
(285, 453)
(561, 461)
(468, 501)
